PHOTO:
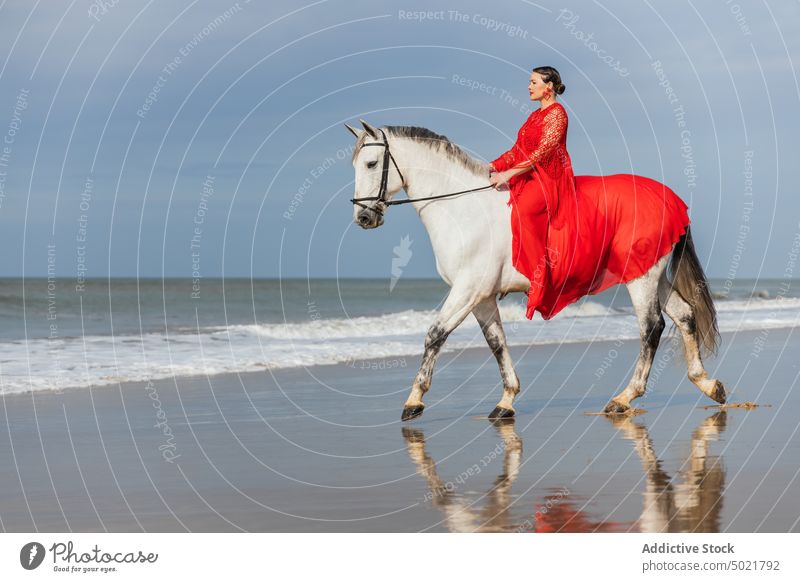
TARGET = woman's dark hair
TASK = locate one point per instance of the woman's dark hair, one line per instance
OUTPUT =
(550, 74)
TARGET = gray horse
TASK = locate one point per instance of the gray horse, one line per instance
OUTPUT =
(471, 239)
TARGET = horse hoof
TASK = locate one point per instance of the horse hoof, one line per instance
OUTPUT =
(719, 392)
(500, 412)
(615, 407)
(410, 412)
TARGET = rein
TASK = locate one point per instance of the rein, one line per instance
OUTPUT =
(381, 197)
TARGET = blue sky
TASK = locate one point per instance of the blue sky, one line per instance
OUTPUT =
(246, 99)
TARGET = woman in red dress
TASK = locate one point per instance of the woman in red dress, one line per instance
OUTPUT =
(578, 235)
(538, 171)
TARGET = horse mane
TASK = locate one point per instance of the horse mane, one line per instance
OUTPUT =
(436, 142)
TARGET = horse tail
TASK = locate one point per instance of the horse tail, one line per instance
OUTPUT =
(690, 282)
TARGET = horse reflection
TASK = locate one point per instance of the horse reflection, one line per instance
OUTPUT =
(692, 504)
(460, 514)
(464, 514)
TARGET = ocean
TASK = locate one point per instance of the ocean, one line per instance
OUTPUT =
(55, 336)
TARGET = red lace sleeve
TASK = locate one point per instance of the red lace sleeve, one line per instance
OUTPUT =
(554, 126)
(508, 159)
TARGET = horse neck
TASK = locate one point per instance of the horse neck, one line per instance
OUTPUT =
(431, 173)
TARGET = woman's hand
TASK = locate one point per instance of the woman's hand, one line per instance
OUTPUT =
(498, 179)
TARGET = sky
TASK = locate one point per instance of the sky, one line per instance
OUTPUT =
(206, 138)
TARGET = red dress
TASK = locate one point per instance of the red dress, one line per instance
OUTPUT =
(579, 235)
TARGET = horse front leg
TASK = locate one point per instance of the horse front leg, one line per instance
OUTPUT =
(459, 303)
(488, 316)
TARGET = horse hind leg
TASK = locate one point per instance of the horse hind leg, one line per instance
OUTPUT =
(680, 311)
(644, 295)
(488, 316)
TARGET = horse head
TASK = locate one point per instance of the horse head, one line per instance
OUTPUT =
(376, 181)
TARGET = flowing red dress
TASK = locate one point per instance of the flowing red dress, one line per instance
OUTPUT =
(579, 235)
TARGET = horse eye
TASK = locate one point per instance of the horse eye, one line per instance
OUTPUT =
(372, 164)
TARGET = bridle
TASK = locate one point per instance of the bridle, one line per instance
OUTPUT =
(381, 197)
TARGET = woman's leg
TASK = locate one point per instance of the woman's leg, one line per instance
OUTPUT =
(532, 224)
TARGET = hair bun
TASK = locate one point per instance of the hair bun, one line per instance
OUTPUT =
(551, 75)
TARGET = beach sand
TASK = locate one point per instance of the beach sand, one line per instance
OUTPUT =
(323, 449)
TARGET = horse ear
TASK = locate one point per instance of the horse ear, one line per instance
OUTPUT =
(354, 131)
(370, 130)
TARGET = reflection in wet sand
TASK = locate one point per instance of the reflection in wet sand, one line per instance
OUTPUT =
(460, 513)
(692, 504)
(566, 517)
(464, 513)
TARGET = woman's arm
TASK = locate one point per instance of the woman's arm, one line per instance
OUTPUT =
(498, 168)
(508, 159)
(554, 125)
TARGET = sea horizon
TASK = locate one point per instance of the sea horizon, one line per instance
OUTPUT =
(54, 335)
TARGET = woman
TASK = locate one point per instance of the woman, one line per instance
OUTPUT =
(538, 171)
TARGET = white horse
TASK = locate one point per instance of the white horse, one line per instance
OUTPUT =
(471, 238)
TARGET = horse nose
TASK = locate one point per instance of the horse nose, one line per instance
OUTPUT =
(364, 218)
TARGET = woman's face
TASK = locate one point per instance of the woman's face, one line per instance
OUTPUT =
(537, 87)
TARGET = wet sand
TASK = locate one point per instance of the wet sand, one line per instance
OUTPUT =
(322, 448)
